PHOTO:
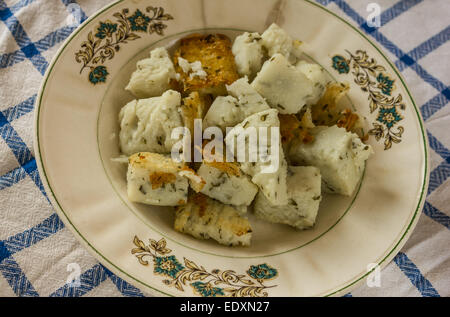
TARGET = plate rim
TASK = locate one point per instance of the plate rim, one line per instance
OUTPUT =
(348, 286)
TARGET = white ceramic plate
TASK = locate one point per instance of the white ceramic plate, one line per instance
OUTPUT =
(76, 135)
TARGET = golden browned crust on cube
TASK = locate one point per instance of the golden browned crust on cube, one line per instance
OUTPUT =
(195, 106)
(347, 120)
(231, 168)
(214, 52)
(197, 183)
(203, 216)
(326, 111)
(158, 179)
(288, 126)
(163, 170)
(292, 129)
(155, 162)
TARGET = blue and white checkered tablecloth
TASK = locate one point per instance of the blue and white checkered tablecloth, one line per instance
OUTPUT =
(36, 250)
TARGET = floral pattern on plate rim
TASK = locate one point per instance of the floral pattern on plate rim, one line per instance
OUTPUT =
(373, 80)
(105, 41)
(205, 283)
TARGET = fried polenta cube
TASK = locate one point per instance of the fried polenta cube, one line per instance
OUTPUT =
(154, 179)
(214, 53)
(225, 182)
(206, 218)
(304, 192)
(340, 156)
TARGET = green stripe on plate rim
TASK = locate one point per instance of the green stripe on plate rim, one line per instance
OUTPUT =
(53, 197)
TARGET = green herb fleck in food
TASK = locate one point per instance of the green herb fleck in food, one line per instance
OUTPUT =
(142, 190)
(159, 139)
